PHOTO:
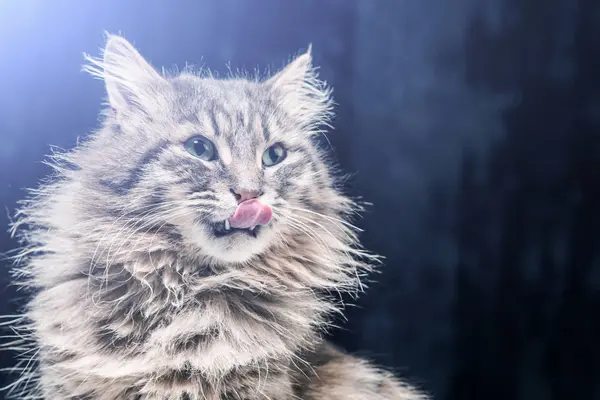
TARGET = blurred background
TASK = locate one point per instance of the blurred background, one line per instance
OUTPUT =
(473, 126)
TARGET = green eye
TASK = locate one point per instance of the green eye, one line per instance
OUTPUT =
(274, 155)
(201, 147)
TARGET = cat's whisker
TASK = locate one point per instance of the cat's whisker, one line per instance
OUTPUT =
(127, 211)
(309, 232)
(144, 220)
(202, 194)
(136, 229)
(130, 228)
(350, 238)
(107, 248)
(158, 210)
(328, 217)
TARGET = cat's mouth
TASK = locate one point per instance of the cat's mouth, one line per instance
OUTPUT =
(248, 218)
(224, 228)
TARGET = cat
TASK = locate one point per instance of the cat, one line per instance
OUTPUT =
(194, 247)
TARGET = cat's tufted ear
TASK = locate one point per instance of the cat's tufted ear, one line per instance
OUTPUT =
(304, 97)
(130, 80)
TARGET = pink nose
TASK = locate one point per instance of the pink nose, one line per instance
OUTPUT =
(243, 194)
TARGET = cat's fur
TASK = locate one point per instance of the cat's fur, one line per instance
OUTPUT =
(134, 298)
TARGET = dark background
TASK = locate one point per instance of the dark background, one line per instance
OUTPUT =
(472, 125)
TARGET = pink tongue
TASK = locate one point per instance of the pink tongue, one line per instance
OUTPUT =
(250, 213)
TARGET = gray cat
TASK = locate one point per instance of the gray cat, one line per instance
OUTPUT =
(194, 247)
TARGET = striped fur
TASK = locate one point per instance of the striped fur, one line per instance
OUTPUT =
(133, 297)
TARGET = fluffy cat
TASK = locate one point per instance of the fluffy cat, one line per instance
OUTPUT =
(193, 247)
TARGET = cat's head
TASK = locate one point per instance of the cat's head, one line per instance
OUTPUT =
(229, 167)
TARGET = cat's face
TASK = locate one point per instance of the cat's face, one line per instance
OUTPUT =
(226, 165)
(235, 166)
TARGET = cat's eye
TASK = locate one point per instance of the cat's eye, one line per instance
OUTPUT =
(201, 147)
(274, 155)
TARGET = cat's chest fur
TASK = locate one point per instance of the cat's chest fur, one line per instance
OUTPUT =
(186, 343)
(246, 383)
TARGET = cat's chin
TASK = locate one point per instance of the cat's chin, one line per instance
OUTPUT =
(232, 245)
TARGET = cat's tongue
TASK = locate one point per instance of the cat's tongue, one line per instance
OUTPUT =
(251, 213)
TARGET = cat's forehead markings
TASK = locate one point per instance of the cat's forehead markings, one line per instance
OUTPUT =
(222, 122)
(208, 126)
(212, 131)
(273, 123)
(257, 125)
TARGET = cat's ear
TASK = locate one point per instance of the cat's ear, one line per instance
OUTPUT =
(295, 73)
(306, 98)
(130, 80)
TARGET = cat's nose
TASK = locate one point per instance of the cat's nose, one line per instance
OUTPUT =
(244, 194)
